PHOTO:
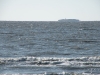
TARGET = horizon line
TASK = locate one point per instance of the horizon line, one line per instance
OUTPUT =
(50, 20)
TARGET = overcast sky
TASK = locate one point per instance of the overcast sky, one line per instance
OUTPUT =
(49, 10)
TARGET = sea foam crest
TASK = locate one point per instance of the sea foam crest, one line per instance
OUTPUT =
(63, 73)
(79, 62)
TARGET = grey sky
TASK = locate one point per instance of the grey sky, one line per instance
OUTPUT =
(49, 10)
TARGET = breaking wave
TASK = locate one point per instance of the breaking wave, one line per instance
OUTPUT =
(53, 61)
(64, 63)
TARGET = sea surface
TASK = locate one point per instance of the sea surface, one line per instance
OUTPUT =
(49, 48)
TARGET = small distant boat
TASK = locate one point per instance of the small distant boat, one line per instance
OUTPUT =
(68, 20)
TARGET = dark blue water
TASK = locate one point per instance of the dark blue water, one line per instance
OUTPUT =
(49, 48)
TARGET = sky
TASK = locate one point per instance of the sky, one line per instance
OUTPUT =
(49, 10)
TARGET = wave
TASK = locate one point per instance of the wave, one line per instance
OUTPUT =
(63, 73)
(79, 63)
(54, 61)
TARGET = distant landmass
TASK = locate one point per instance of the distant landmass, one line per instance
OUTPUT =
(68, 20)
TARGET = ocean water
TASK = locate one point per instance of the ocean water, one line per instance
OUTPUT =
(49, 48)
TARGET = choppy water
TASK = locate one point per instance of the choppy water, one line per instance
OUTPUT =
(49, 48)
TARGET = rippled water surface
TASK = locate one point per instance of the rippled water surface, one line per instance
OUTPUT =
(49, 48)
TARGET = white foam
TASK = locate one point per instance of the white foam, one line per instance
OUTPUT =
(63, 73)
(53, 61)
